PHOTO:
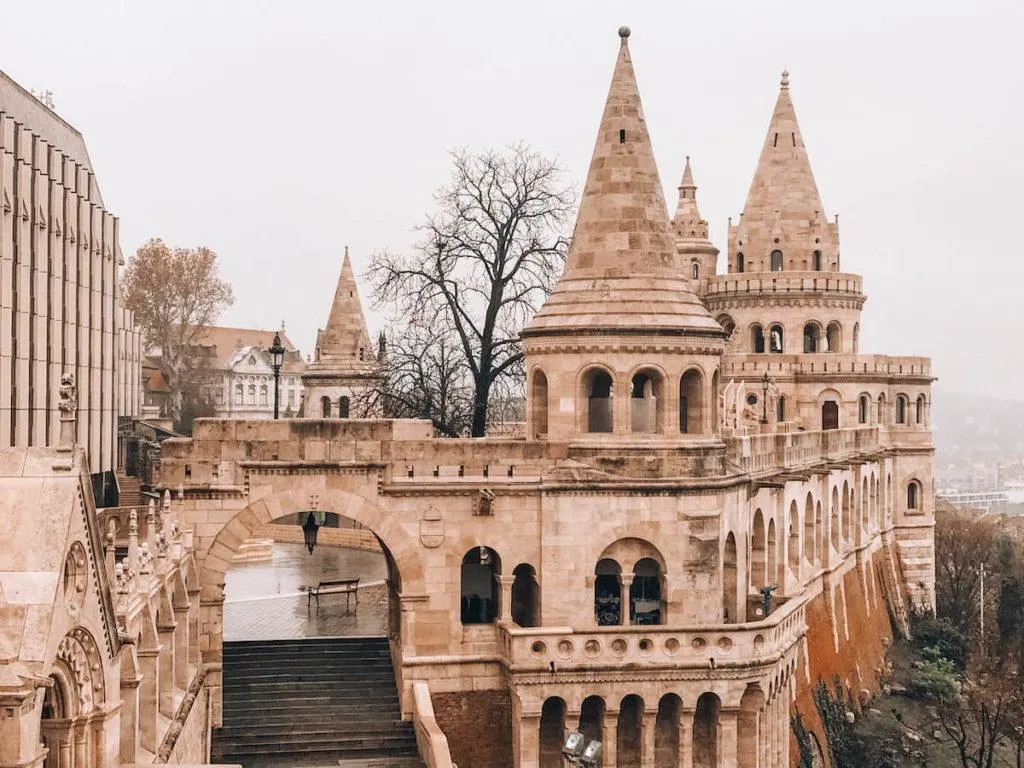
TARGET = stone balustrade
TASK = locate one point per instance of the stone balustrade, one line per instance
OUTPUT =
(745, 284)
(751, 365)
(526, 649)
(791, 450)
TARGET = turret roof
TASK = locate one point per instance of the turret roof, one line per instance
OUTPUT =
(622, 272)
(343, 346)
(687, 222)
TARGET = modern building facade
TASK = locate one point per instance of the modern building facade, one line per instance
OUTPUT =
(60, 311)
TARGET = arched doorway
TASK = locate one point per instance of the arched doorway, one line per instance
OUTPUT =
(705, 732)
(69, 726)
(629, 737)
(479, 590)
(525, 596)
(552, 732)
(666, 731)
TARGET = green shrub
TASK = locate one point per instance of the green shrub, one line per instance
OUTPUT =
(936, 679)
(930, 632)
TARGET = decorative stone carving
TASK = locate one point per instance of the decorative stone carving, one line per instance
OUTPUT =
(431, 528)
(76, 577)
(482, 505)
(145, 558)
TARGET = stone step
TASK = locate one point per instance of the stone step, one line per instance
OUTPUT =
(342, 747)
(385, 733)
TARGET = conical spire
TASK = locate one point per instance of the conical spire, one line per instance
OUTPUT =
(687, 223)
(343, 346)
(622, 270)
(783, 185)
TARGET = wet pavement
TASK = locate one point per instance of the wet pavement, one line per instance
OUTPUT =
(266, 601)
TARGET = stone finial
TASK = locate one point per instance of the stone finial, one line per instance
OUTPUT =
(133, 523)
(623, 32)
(166, 501)
(145, 559)
(785, 79)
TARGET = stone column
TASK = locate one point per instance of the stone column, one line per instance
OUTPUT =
(166, 661)
(686, 738)
(181, 645)
(129, 718)
(782, 753)
(506, 597)
(528, 742)
(626, 581)
(728, 736)
(610, 738)
(194, 657)
(650, 720)
(66, 743)
(149, 694)
(81, 733)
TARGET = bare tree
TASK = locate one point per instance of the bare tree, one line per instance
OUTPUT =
(484, 263)
(963, 544)
(174, 293)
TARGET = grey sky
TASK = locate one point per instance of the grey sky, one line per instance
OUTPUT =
(277, 132)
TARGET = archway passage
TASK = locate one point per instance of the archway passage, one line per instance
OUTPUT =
(481, 568)
(525, 596)
(705, 732)
(630, 732)
(552, 732)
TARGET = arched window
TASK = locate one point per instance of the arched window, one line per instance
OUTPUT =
(691, 402)
(776, 338)
(252, 394)
(645, 593)
(780, 409)
(263, 395)
(913, 495)
(776, 261)
(834, 521)
(646, 402)
(480, 570)
(757, 338)
(812, 333)
(919, 414)
(608, 593)
(539, 403)
(834, 338)
(740, 262)
(728, 324)
(901, 409)
(343, 406)
(525, 596)
(361, 353)
(881, 409)
(793, 543)
(696, 270)
(729, 581)
(856, 338)
(817, 261)
(758, 555)
(862, 409)
(239, 394)
(325, 407)
(598, 389)
(830, 414)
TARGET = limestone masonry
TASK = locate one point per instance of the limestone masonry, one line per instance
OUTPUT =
(717, 500)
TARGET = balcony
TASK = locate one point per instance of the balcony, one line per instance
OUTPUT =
(535, 649)
(738, 285)
(792, 450)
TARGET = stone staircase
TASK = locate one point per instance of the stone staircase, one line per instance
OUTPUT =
(130, 492)
(312, 702)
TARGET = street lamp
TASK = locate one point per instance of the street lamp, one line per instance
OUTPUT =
(309, 531)
(276, 361)
(765, 383)
(579, 752)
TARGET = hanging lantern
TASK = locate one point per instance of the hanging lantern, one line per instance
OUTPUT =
(485, 556)
(309, 531)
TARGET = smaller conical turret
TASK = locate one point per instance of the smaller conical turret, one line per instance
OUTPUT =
(699, 255)
(344, 343)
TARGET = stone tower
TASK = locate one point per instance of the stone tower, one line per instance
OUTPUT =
(699, 255)
(344, 366)
(622, 326)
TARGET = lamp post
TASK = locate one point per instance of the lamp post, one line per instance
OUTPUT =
(276, 360)
(765, 383)
(309, 531)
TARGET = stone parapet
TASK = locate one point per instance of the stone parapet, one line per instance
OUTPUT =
(720, 291)
(752, 366)
(794, 450)
(654, 648)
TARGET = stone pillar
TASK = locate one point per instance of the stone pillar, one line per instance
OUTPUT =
(528, 742)
(728, 736)
(149, 694)
(211, 646)
(782, 753)
(181, 645)
(66, 745)
(129, 718)
(194, 657)
(622, 405)
(686, 738)
(81, 733)
(610, 738)
(166, 661)
(650, 721)
(506, 597)
(626, 581)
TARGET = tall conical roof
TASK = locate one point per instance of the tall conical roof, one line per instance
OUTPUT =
(622, 272)
(783, 185)
(687, 223)
(343, 346)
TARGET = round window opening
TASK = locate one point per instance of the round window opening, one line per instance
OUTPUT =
(75, 573)
(751, 399)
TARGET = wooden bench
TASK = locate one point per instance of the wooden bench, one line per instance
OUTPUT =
(347, 587)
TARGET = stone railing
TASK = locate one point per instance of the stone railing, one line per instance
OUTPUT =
(430, 739)
(526, 649)
(750, 365)
(759, 453)
(733, 285)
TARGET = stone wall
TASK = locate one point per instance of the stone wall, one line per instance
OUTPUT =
(860, 606)
(478, 725)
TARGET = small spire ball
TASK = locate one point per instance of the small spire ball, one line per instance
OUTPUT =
(623, 32)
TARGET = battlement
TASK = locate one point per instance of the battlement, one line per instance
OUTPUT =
(733, 285)
(738, 366)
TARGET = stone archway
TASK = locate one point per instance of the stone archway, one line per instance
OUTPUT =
(215, 555)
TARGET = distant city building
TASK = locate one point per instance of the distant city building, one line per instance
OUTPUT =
(60, 308)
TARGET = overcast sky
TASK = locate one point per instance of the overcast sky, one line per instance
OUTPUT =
(278, 132)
